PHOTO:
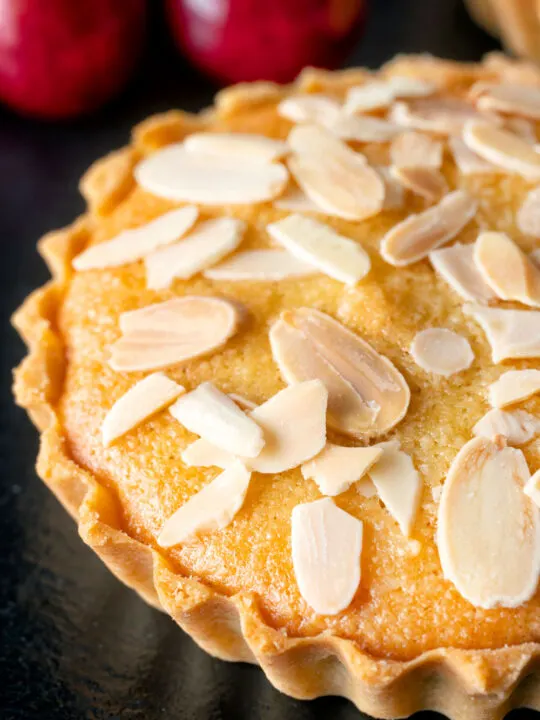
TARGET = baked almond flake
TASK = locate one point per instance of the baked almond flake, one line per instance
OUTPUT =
(239, 146)
(211, 509)
(132, 245)
(414, 238)
(209, 243)
(243, 402)
(321, 247)
(513, 99)
(414, 149)
(502, 148)
(488, 529)
(326, 552)
(371, 96)
(202, 453)
(532, 488)
(525, 129)
(176, 174)
(514, 386)
(404, 86)
(394, 192)
(456, 266)
(364, 129)
(208, 412)
(510, 333)
(317, 109)
(140, 402)
(534, 256)
(517, 427)
(445, 116)
(367, 395)
(427, 182)
(469, 162)
(441, 351)
(294, 199)
(172, 332)
(528, 215)
(398, 485)
(506, 269)
(261, 265)
(336, 468)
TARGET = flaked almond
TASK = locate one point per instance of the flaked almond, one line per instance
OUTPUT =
(441, 351)
(367, 395)
(326, 551)
(415, 149)
(483, 507)
(456, 266)
(242, 401)
(261, 265)
(364, 129)
(211, 509)
(506, 269)
(202, 453)
(179, 175)
(518, 426)
(317, 109)
(469, 162)
(427, 182)
(514, 386)
(371, 96)
(445, 116)
(534, 256)
(532, 488)
(239, 146)
(414, 238)
(321, 247)
(132, 245)
(294, 199)
(205, 246)
(140, 402)
(525, 129)
(404, 86)
(172, 332)
(336, 468)
(208, 412)
(510, 333)
(502, 148)
(394, 192)
(528, 215)
(513, 99)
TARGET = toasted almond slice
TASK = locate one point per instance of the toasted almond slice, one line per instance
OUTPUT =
(532, 488)
(211, 509)
(469, 162)
(445, 116)
(172, 332)
(427, 182)
(215, 417)
(394, 192)
(239, 146)
(534, 256)
(414, 238)
(483, 507)
(336, 468)
(243, 402)
(404, 86)
(365, 129)
(365, 487)
(294, 425)
(294, 199)
(398, 484)
(315, 243)
(319, 141)
(528, 215)
(456, 265)
(261, 265)
(371, 96)
(518, 426)
(207, 245)
(441, 351)
(512, 99)
(132, 245)
(502, 148)
(506, 269)
(317, 109)
(326, 549)
(514, 386)
(510, 333)
(177, 174)
(414, 149)
(525, 129)
(140, 402)
(202, 453)
(367, 394)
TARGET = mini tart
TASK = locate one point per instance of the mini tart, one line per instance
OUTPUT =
(408, 640)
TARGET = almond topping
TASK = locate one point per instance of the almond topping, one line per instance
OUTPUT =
(317, 109)
(243, 402)
(336, 468)
(414, 238)
(207, 245)
(364, 129)
(510, 333)
(503, 148)
(532, 488)
(294, 199)
(441, 351)
(405, 86)
(443, 116)
(512, 99)
(467, 161)
(215, 417)
(326, 550)
(371, 96)
(211, 509)
(239, 146)
(202, 453)
(179, 175)
(140, 402)
(315, 243)
(261, 265)
(394, 197)
(456, 266)
(172, 332)
(367, 395)
(427, 182)
(518, 427)
(528, 215)
(414, 149)
(483, 507)
(514, 386)
(132, 245)
(365, 487)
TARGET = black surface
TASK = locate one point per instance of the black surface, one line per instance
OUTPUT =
(74, 643)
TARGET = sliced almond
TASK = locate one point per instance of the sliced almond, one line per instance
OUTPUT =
(140, 402)
(404, 86)
(441, 351)
(414, 238)
(336, 468)
(502, 148)
(364, 129)
(318, 245)
(525, 129)
(398, 484)
(239, 146)
(242, 401)
(427, 182)
(532, 488)
(261, 265)
(483, 508)
(294, 199)
(414, 149)
(512, 99)
(506, 269)
(207, 245)
(534, 256)
(317, 109)
(202, 453)
(514, 386)
(172, 332)
(518, 427)
(367, 395)
(528, 215)
(326, 550)
(456, 266)
(215, 417)
(394, 192)
(469, 162)
(211, 509)
(132, 245)
(179, 175)
(510, 333)
(371, 96)
(445, 116)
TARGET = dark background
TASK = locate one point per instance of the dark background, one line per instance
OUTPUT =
(74, 643)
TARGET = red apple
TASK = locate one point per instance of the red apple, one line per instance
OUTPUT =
(61, 58)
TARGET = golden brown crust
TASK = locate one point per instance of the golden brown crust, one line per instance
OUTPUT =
(459, 683)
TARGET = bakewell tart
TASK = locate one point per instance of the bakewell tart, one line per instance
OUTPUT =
(287, 380)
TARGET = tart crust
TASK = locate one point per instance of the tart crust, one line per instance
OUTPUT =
(459, 683)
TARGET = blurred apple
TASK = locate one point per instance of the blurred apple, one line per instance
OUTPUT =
(243, 40)
(61, 58)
